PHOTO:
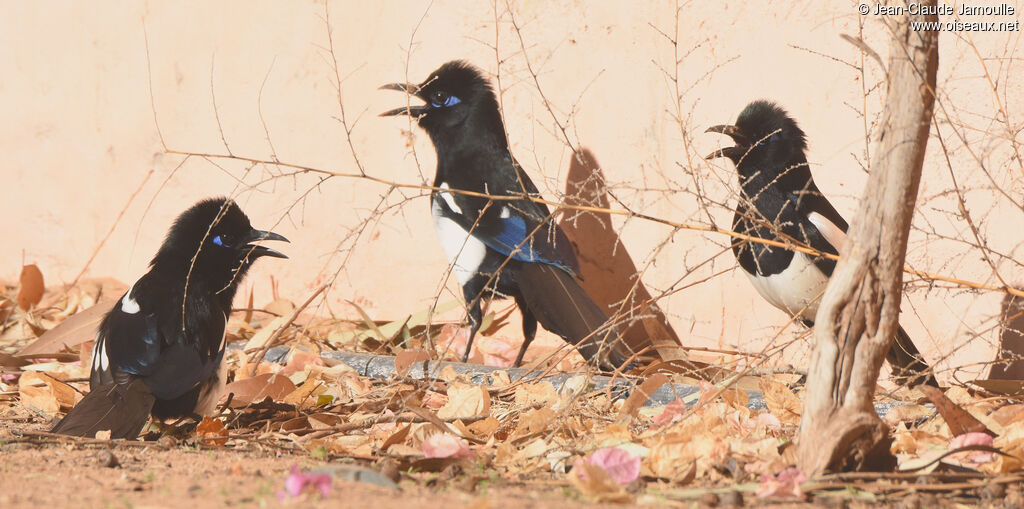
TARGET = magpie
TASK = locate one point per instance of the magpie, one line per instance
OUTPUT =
(504, 247)
(779, 201)
(159, 350)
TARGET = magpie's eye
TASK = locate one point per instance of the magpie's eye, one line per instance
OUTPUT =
(222, 241)
(774, 137)
(441, 98)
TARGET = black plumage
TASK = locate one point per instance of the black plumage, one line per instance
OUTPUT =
(503, 247)
(780, 201)
(159, 350)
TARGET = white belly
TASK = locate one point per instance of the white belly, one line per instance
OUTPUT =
(465, 253)
(796, 290)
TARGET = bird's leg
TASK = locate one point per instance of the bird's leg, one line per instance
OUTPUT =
(529, 330)
(475, 317)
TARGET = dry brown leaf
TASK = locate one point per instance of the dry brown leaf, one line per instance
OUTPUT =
(541, 393)
(280, 307)
(406, 358)
(485, 428)
(40, 399)
(643, 393)
(252, 390)
(396, 438)
(323, 420)
(959, 420)
(212, 432)
(1010, 442)
(465, 400)
(781, 401)
(736, 398)
(70, 333)
(906, 413)
(44, 391)
(594, 482)
(32, 287)
(262, 336)
(534, 421)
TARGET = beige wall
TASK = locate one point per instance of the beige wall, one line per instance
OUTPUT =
(78, 136)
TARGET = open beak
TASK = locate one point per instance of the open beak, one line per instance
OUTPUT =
(734, 153)
(408, 88)
(257, 250)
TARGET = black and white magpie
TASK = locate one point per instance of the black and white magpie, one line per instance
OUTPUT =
(779, 201)
(507, 246)
(158, 352)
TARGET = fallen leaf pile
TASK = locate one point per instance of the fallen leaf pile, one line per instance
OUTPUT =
(450, 428)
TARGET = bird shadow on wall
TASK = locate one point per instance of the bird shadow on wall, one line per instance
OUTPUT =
(1010, 357)
(610, 274)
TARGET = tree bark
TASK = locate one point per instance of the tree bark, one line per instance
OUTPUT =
(859, 311)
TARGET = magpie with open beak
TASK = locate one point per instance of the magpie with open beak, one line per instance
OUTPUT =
(159, 350)
(508, 245)
(779, 201)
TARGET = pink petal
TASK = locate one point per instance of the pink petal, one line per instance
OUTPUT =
(973, 438)
(297, 481)
(443, 445)
(294, 482)
(621, 466)
(673, 412)
(786, 484)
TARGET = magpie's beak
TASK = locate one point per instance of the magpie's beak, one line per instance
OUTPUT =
(257, 251)
(412, 111)
(736, 152)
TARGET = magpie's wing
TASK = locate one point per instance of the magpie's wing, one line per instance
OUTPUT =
(818, 224)
(133, 342)
(128, 342)
(520, 229)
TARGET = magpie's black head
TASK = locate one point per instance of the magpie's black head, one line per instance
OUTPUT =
(457, 96)
(213, 239)
(766, 138)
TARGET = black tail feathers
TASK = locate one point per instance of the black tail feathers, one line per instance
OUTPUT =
(121, 408)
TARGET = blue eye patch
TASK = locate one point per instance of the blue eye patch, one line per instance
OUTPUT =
(219, 241)
(448, 102)
(775, 136)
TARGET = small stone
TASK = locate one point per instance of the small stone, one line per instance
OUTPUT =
(709, 500)
(167, 442)
(106, 459)
(388, 468)
(731, 499)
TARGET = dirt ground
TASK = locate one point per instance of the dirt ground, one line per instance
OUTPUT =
(43, 472)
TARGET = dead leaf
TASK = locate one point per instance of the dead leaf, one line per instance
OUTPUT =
(212, 432)
(32, 287)
(396, 438)
(70, 333)
(406, 358)
(781, 401)
(252, 390)
(643, 393)
(594, 482)
(958, 419)
(465, 400)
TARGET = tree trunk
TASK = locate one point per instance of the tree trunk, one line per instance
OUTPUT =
(859, 311)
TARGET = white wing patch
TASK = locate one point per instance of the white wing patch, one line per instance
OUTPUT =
(449, 199)
(832, 233)
(100, 362)
(796, 290)
(465, 252)
(128, 304)
(505, 212)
